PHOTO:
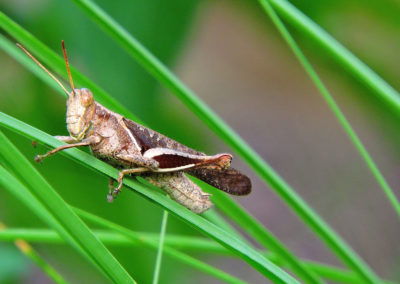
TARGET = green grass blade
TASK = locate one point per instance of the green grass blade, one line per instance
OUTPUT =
(192, 244)
(61, 212)
(335, 108)
(338, 52)
(21, 57)
(217, 219)
(28, 63)
(40, 262)
(294, 263)
(247, 253)
(155, 245)
(30, 252)
(157, 267)
(50, 58)
(138, 239)
(263, 236)
(274, 178)
(155, 67)
(357, 264)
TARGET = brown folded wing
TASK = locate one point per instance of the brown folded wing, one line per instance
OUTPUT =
(230, 180)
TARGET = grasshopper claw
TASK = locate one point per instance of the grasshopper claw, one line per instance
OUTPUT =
(38, 159)
(110, 198)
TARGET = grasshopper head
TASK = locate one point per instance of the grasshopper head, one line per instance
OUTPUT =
(80, 105)
(80, 112)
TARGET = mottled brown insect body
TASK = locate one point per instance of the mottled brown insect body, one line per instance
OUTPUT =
(135, 149)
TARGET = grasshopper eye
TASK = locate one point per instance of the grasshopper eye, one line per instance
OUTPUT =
(86, 98)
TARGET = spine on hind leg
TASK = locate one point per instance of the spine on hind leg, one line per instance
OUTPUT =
(181, 189)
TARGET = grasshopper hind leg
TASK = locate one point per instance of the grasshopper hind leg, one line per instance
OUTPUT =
(181, 189)
(110, 197)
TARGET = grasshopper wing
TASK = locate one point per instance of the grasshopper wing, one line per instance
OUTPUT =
(148, 139)
(229, 180)
(174, 156)
(171, 155)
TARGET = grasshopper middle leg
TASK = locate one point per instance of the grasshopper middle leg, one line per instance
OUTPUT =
(113, 192)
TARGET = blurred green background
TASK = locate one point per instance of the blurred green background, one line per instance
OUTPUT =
(232, 57)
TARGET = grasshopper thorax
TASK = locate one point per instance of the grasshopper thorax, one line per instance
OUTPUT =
(80, 112)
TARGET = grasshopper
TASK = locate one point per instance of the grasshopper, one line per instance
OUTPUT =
(135, 149)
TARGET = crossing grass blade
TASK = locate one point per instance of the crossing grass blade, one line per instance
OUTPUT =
(245, 252)
(357, 264)
(57, 213)
(177, 242)
(31, 253)
(157, 266)
(338, 52)
(211, 119)
(257, 234)
(155, 245)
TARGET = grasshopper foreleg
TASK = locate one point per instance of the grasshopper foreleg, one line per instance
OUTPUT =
(113, 192)
(86, 142)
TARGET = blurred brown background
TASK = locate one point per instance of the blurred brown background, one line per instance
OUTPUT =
(231, 55)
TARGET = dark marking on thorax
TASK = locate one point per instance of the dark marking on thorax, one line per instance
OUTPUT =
(148, 139)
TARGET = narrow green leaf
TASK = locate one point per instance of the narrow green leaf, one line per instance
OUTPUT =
(60, 211)
(50, 58)
(195, 244)
(134, 238)
(161, 72)
(263, 236)
(346, 253)
(338, 52)
(31, 253)
(246, 252)
(21, 57)
(155, 245)
(157, 266)
(27, 62)
(335, 108)
(294, 263)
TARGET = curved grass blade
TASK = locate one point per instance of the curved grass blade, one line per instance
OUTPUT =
(357, 264)
(244, 251)
(195, 244)
(217, 219)
(48, 198)
(263, 236)
(186, 243)
(30, 252)
(338, 52)
(50, 58)
(25, 196)
(157, 267)
(155, 245)
(333, 105)
(294, 263)
(21, 57)
(161, 72)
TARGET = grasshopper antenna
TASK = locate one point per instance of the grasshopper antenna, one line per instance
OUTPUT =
(68, 70)
(44, 68)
